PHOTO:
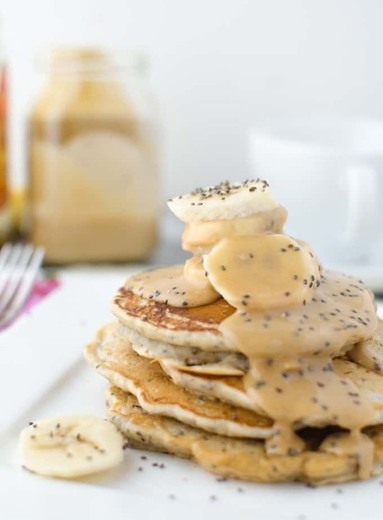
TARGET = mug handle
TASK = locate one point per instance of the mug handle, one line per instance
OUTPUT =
(361, 186)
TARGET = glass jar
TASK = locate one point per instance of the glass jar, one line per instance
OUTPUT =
(93, 159)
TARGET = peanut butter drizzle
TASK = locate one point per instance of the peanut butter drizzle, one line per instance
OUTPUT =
(339, 313)
(188, 285)
(290, 344)
(170, 285)
(291, 374)
(200, 237)
(353, 443)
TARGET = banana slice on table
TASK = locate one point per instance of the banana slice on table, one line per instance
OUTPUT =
(262, 271)
(224, 201)
(71, 446)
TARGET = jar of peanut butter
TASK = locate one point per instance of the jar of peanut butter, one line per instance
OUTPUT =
(93, 161)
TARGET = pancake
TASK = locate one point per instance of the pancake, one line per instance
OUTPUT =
(232, 390)
(250, 358)
(369, 353)
(157, 394)
(367, 381)
(187, 327)
(233, 458)
(227, 389)
(153, 432)
(189, 359)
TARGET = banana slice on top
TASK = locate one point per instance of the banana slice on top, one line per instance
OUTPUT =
(70, 446)
(226, 201)
(262, 271)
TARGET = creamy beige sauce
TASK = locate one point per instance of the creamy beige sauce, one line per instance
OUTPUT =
(369, 353)
(195, 271)
(262, 271)
(200, 237)
(354, 443)
(290, 348)
(291, 320)
(170, 285)
(339, 313)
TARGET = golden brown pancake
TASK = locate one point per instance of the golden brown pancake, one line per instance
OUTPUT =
(157, 394)
(268, 385)
(229, 389)
(189, 359)
(195, 327)
(232, 389)
(235, 458)
(192, 398)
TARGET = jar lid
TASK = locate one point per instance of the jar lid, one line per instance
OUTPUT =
(92, 60)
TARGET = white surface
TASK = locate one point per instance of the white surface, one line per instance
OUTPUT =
(43, 374)
(218, 66)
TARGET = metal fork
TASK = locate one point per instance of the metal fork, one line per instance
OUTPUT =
(19, 267)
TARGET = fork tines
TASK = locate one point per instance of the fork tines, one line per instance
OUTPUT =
(19, 267)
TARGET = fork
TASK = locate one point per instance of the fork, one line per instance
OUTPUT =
(19, 267)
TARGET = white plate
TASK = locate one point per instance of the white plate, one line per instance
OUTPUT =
(43, 374)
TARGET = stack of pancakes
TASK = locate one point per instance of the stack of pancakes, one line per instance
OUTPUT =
(178, 387)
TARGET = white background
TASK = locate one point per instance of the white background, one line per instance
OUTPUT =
(218, 66)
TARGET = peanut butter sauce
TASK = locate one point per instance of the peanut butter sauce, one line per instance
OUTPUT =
(353, 443)
(339, 313)
(170, 285)
(202, 236)
(292, 318)
(290, 347)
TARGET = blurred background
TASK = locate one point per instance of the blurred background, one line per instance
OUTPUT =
(217, 68)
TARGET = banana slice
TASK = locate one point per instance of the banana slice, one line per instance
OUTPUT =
(262, 271)
(201, 236)
(226, 201)
(71, 446)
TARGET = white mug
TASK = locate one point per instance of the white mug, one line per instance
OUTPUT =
(326, 172)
